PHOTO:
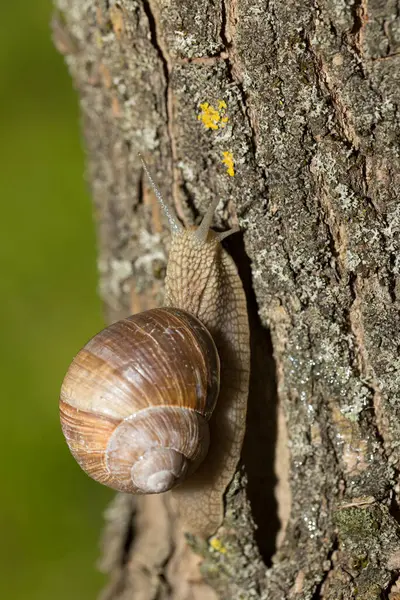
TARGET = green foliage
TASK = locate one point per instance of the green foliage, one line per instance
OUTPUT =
(50, 511)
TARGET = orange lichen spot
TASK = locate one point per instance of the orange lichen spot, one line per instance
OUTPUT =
(116, 107)
(213, 118)
(229, 162)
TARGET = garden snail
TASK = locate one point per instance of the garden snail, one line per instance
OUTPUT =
(158, 399)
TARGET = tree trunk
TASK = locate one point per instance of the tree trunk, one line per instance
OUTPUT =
(303, 97)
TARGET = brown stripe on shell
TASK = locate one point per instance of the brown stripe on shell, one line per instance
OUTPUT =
(159, 357)
(179, 363)
(87, 435)
(94, 381)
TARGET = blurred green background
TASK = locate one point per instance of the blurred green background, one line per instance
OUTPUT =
(51, 513)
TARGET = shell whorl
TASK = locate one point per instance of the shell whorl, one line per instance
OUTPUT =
(163, 442)
(136, 401)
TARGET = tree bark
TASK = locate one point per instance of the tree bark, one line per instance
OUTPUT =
(304, 97)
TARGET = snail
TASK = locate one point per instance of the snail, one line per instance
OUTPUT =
(157, 401)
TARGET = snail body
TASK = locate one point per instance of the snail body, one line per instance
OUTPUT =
(157, 401)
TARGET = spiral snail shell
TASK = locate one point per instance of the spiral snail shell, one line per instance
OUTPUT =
(138, 397)
(157, 401)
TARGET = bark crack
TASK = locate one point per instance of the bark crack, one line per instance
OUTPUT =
(228, 31)
(319, 590)
(360, 16)
(365, 368)
(156, 40)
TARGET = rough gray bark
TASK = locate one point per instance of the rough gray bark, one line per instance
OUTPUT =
(312, 94)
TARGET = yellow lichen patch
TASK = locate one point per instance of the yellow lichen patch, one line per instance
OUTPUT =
(213, 118)
(218, 546)
(229, 162)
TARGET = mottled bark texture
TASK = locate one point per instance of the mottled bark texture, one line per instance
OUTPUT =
(312, 91)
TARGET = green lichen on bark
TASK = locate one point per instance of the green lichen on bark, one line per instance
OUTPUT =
(368, 536)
